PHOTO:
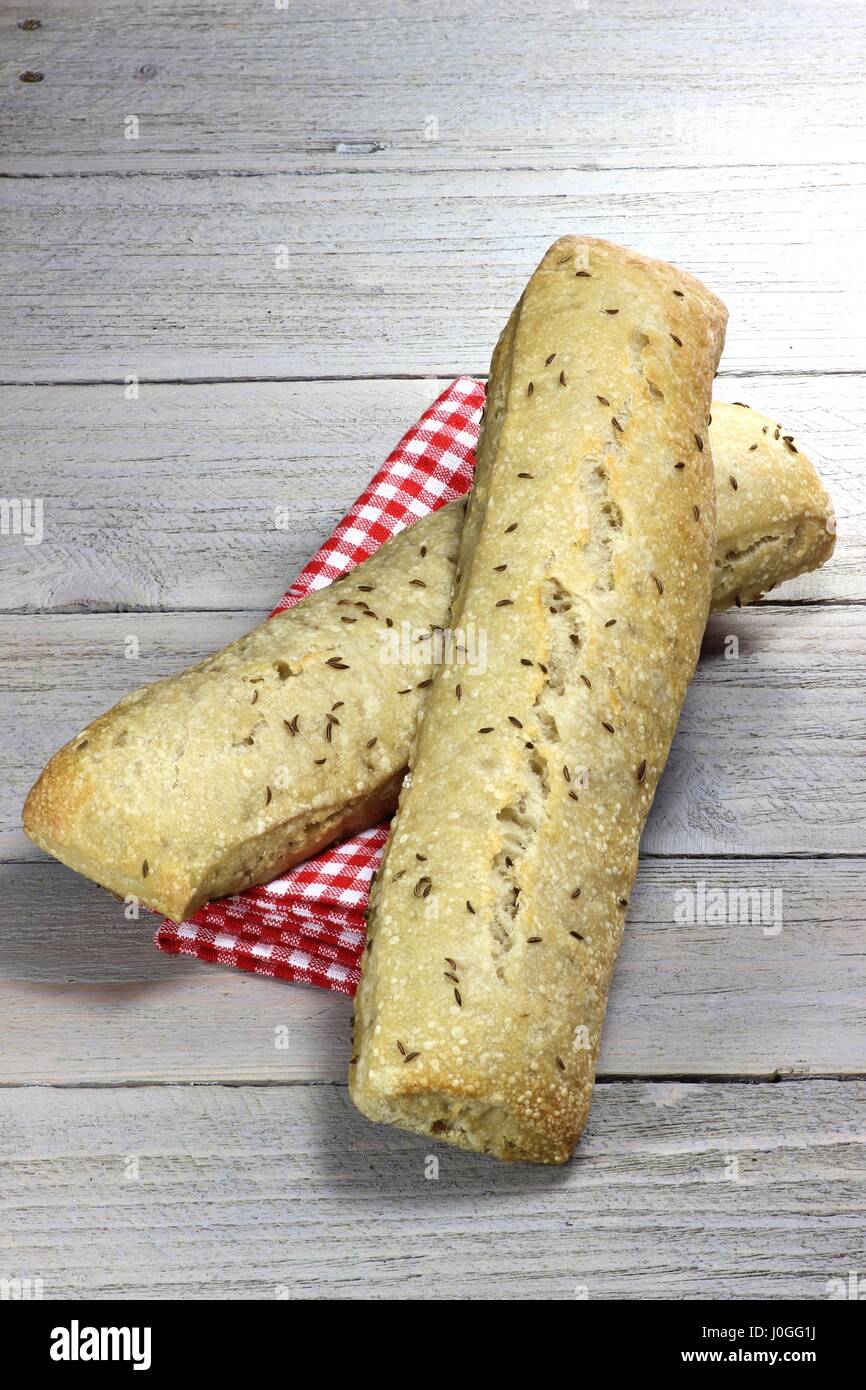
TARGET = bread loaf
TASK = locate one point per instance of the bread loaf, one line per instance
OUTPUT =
(293, 736)
(166, 796)
(774, 519)
(587, 558)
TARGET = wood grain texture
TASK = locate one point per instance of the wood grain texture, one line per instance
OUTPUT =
(86, 999)
(403, 273)
(768, 757)
(170, 278)
(346, 84)
(283, 1192)
(168, 502)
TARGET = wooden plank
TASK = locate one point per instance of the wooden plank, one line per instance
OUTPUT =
(768, 758)
(85, 997)
(198, 470)
(169, 501)
(257, 87)
(403, 272)
(677, 1191)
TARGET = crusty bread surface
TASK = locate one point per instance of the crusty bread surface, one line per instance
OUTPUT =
(586, 558)
(774, 519)
(296, 735)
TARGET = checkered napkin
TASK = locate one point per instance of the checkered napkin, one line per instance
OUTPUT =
(309, 924)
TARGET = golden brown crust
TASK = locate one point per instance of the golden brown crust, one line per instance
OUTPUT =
(499, 908)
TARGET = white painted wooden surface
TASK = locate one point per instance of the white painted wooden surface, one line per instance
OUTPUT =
(404, 271)
(416, 162)
(241, 86)
(208, 1192)
(167, 502)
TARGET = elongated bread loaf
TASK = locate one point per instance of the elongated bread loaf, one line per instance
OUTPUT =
(175, 777)
(295, 735)
(587, 558)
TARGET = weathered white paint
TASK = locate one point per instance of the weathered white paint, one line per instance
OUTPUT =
(357, 86)
(167, 501)
(685, 1191)
(404, 272)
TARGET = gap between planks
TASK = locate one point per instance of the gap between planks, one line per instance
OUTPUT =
(258, 615)
(411, 170)
(480, 374)
(601, 1081)
(728, 856)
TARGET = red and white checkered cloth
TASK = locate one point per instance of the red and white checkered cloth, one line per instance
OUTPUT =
(309, 924)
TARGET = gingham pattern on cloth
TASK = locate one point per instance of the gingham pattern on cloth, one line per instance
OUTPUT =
(309, 924)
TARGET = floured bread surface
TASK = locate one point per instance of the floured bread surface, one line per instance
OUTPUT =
(293, 736)
(586, 558)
